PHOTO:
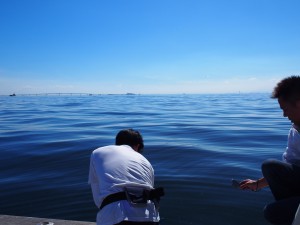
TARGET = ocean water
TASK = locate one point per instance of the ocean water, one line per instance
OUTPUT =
(196, 144)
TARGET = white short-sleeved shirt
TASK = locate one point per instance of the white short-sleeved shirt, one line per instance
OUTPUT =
(111, 169)
(292, 153)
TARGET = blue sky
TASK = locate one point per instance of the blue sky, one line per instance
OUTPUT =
(147, 46)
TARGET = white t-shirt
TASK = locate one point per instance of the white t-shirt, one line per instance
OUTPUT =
(292, 153)
(111, 169)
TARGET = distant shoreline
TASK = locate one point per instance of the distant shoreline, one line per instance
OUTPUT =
(130, 94)
(59, 94)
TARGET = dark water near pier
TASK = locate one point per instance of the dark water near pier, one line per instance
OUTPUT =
(196, 144)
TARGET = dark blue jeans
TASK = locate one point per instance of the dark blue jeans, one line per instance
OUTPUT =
(284, 182)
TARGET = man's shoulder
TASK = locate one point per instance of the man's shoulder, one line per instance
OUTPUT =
(103, 149)
(111, 148)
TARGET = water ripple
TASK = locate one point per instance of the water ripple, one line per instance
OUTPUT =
(196, 144)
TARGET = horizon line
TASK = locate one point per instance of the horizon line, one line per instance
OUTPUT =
(128, 93)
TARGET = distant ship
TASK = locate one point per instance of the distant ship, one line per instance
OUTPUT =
(13, 94)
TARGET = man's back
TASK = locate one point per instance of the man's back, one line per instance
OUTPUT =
(111, 169)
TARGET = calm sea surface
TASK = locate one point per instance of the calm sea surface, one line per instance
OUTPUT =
(196, 144)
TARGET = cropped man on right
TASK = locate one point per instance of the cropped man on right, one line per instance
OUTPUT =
(283, 177)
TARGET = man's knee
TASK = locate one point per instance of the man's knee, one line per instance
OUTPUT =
(269, 165)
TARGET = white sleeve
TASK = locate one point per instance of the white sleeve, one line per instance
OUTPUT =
(292, 153)
(94, 182)
(92, 172)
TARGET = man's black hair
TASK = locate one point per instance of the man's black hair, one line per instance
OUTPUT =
(288, 89)
(130, 137)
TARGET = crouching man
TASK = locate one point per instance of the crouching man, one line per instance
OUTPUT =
(122, 183)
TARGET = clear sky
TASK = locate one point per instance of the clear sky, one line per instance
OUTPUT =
(147, 46)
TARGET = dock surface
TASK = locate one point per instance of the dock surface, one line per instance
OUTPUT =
(20, 220)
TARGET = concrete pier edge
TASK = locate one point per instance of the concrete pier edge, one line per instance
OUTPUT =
(21, 220)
